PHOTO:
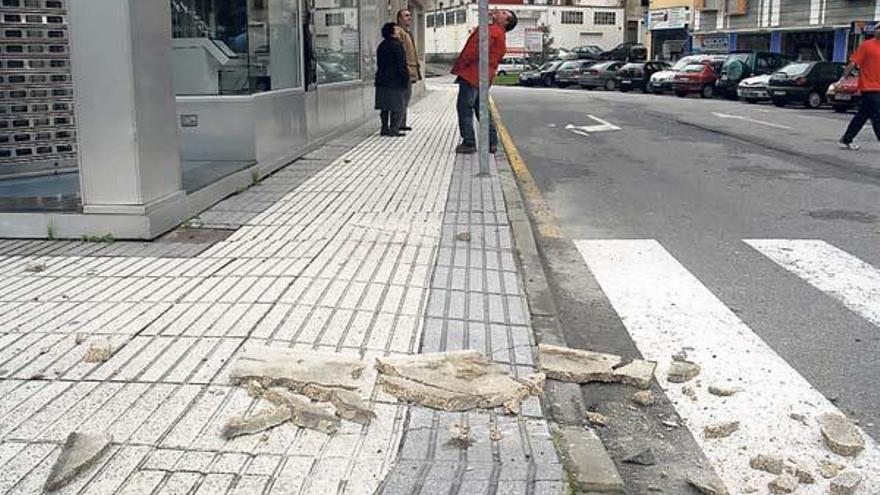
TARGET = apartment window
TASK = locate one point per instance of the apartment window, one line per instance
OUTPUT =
(429, 20)
(334, 19)
(605, 18)
(439, 20)
(572, 17)
(450, 18)
(461, 16)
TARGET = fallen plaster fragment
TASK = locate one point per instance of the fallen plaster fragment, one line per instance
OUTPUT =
(846, 483)
(682, 371)
(304, 412)
(830, 469)
(707, 485)
(279, 366)
(453, 381)
(79, 452)
(800, 471)
(643, 398)
(255, 423)
(99, 352)
(784, 483)
(720, 430)
(596, 419)
(494, 433)
(724, 390)
(644, 457)
(460, 435)
(841, 435)
(349, 405)
(463, 236)
(579, 366)
(767, 463)
(35, 267)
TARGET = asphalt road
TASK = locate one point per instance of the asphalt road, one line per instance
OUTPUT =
(659, 190)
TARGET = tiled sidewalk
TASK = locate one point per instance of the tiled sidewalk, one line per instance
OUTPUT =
(353, 252)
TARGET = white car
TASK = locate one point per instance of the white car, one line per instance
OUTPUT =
(754, 89)
(662, 81)
(512, 65)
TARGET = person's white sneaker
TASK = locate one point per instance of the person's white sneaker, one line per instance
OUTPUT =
(848, 146)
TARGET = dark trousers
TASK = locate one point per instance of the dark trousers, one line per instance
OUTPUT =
(390, 120)
(468, 106)
(868, 109)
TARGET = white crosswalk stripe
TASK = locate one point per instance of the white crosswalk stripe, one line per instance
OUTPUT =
(846, 278)
(666, 309)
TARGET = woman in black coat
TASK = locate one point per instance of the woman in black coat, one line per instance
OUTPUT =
(392, 81)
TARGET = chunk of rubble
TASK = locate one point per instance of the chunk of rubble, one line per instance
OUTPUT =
(596, 419)
(830, 469)
(79, 452)
(720, 430)
(643, 398)
(278, 366)
(800, 471)
(255, 423)
(724, 390)
(463, 236)
(99, 352)
(841, 435)
(305, 413)
(644, 457)
(681, 371)
(706, 484)
(846, 483)
(767, 463)
(453, 381)
(784, 483)
(35, 267)
(579, 366)
(460, 435)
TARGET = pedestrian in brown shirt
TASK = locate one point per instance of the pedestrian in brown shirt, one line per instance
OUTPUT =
(404, 24)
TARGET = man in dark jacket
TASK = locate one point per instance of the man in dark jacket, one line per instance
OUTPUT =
(392, 81)
(467, 69)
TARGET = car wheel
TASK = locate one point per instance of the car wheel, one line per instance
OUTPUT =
(840, 108)
(708, 91)
(610, 85)
(779, 103)
(681, 94)
(814, 100)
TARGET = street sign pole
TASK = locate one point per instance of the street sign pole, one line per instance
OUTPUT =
(484, 88)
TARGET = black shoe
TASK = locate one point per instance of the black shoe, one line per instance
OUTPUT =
(465, 149)
(405, 128)
(391, 133)
(493, 149)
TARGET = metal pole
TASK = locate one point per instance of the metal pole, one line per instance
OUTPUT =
(483, 148)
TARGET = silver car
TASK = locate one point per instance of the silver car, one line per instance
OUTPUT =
(570, 71)
(600, 75)
(754, 89)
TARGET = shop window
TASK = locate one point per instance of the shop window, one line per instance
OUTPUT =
(230, 47)
(337, 40)
(572, 17)
(604, 18)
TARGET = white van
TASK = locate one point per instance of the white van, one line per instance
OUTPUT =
(512, 65)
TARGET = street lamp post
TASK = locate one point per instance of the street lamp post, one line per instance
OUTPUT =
(484, 88)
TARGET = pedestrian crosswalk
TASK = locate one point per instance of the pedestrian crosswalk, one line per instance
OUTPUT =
(667, 310)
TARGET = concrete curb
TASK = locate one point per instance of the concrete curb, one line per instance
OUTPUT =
(564, 401)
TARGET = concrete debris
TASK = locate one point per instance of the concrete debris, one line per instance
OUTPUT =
(830, 469)
(305, 413)
(681, 371)
(800, 471)
(784, 483)
(846, 483)
(80, 338)
(579, 366)
(767, 463)
(461, 435)
(99, 352)
(720, 430)
(494, 433)
(800, 418)
(463, 236)
(669, 423)
(35, 267)
(79, 452)
(841, 436)
(279, 366)
(643, 398)
(724, 390)
(453, 381)
(707, 485)
(596, 419)
(263, 420)
(590, 468)
(690, 393)
(351, 407)
(643, 457)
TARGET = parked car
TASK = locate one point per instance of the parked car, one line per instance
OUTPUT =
(754, 89)
(744, 64)
(661, 81)
(512, 65)
(804, 82)
(570, 71)
(844, 94)
(600, 75)
(542, 76)
(630, 52)
(587, 52)
(697, 78)
(635, 75)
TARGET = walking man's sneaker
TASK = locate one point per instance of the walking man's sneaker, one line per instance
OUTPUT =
(848, 146)
(465, 149)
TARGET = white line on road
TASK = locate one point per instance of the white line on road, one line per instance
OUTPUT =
(846, 278)
(666, 309)
(586, 130)
(748, 119)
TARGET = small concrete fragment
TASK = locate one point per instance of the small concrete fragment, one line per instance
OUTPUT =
(767, 463)
(784, 483)
(720, 430)
(99, 352)
(587, 462)
(724, 390)
(463, 236)
(281, 366)
(841, 435)
(579, 366)
(830, 469)
(596, 419)
(460, 435)
(681, 371)
(80, 338)
(305, 413)
(255, 423)
(706, 484)
(644, 457)
(79, 452)
(349, 405)
(35, 267)
(800, 471)
(643, 398)
(846, 483)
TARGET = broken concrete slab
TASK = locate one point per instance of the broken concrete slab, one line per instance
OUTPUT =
(294, 369)
(767, 463)
(644, 457)
(720, 430)
(255, 423)
(707, 484)
(305, 413)
(724, 390)
(643, 398)
(784, 483)
(453, 381)
(846, 483)
(99, 352)
(829, 469)
(579, 366)
(79, 452)
(681, 371)
(588, 464)
(841, 435)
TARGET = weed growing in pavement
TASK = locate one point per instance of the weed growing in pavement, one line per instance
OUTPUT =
(106, 238)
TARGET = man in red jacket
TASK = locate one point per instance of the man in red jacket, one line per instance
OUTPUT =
(467, 69)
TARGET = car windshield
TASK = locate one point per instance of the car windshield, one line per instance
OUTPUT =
(693, 68)
(571, 64)
(795, 69)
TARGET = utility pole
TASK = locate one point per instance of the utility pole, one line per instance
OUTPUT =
(483, 148)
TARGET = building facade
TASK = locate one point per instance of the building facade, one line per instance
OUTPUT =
(670, 23)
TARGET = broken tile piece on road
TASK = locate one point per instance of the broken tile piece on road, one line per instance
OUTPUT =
(279, 366)
(453, 381)
(784, 483)
(720, 430)
(317, 416)
(681, 371)
(767, 463)
(841, 435)
(255, 423)
(846, 483)
(579, 366)
(79, 452)
(99, 352)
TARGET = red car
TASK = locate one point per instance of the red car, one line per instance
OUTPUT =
(845, 94)
(696, 78)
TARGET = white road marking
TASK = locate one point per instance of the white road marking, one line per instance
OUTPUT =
(666, 309)
(747, 119)
(586, 130)
(846, 278)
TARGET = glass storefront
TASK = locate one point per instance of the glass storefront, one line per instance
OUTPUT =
(337, 40)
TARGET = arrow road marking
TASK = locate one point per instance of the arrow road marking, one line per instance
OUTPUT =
(747, 119)
(585, 130)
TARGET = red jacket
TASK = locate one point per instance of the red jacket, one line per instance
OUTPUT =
(467, 65)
